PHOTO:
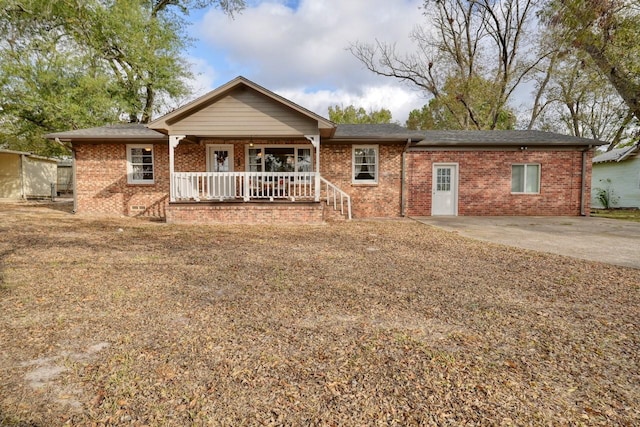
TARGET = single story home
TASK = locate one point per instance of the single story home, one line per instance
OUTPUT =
(25, 175)
(243, 154)
(617, 174)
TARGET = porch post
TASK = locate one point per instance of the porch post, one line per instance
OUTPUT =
(174, 140)
(315, 141)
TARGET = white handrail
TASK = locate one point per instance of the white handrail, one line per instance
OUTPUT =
(332, 192)
(223, 186)
(243, 185)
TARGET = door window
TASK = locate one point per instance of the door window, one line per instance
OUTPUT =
(443, 179)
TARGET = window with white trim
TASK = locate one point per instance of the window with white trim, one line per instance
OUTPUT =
(365, 164)
(140, 164)
(525, 178)
(280, 158)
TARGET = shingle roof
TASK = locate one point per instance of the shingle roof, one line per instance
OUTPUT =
(617, 154)
(113, 131)
(376, 131)
(500, 137)
(387, 131)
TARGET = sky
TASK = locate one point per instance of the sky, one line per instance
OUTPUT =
(299, 50)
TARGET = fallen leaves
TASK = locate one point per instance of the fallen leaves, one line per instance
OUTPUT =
(357, 323)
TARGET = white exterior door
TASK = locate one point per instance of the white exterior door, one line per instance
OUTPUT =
(220, 159)
(444, 199)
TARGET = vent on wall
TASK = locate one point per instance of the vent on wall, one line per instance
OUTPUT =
(138, 208)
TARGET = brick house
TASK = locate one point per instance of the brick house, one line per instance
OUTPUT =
(242, 154)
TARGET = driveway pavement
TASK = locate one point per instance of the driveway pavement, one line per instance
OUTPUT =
(595, 239)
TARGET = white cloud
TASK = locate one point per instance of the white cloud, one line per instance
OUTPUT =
(396, 99)
(204, 76)
(302, 53)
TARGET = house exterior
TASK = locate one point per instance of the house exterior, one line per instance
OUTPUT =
(243, 154)
(25, 175)
(618, 172)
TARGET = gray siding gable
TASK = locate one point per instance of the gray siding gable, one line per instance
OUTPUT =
(243, 112)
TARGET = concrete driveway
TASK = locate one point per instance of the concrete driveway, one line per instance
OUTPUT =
(595, 239)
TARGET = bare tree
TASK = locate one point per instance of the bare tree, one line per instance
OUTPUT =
(468, 41)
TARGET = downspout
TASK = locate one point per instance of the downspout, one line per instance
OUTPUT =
(583, 180)
(403, 198)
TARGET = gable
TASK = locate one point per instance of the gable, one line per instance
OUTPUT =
(243, 112)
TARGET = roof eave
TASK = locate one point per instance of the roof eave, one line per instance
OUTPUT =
(427, 144)
(98, 139)
(371, 139)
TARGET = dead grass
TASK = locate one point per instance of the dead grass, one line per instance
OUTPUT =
(623, 214)
(123, 322)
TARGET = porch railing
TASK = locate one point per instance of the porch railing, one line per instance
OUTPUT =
(336, 197)
(243, 185)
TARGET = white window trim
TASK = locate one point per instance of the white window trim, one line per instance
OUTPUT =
(130, 179)
(525, 177)
(264, 146)
(353, 165)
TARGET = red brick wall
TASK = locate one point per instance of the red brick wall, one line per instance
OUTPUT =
(245, 213)
(367, 200)
(484, 186)
(101, 184)
(484, 180)
(101, 172)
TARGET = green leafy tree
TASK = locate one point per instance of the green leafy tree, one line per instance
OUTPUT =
(609, 33)
(353, 115)
(69, 64)
(584, 104)
(462, 105)
(597, 82)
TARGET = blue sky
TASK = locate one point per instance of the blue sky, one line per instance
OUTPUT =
(298, 49)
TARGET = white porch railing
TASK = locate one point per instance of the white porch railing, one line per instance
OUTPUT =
(243, 185)
(336, 197)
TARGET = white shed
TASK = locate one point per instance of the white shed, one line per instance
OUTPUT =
(618, 172)
(25, 175)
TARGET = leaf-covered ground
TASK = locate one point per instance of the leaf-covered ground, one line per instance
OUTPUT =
(127, 322)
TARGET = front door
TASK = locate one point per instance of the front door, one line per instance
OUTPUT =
(445, 189)
(220, 159)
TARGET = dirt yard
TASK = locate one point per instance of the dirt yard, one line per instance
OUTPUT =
(127, 322)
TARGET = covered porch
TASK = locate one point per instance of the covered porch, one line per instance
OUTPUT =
(265, 170)
(220, 176)
(244, 144)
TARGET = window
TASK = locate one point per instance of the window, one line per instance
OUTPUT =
(140, 164)
(443, 179)
(525, 178)
(279, 159)
(365, 164)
